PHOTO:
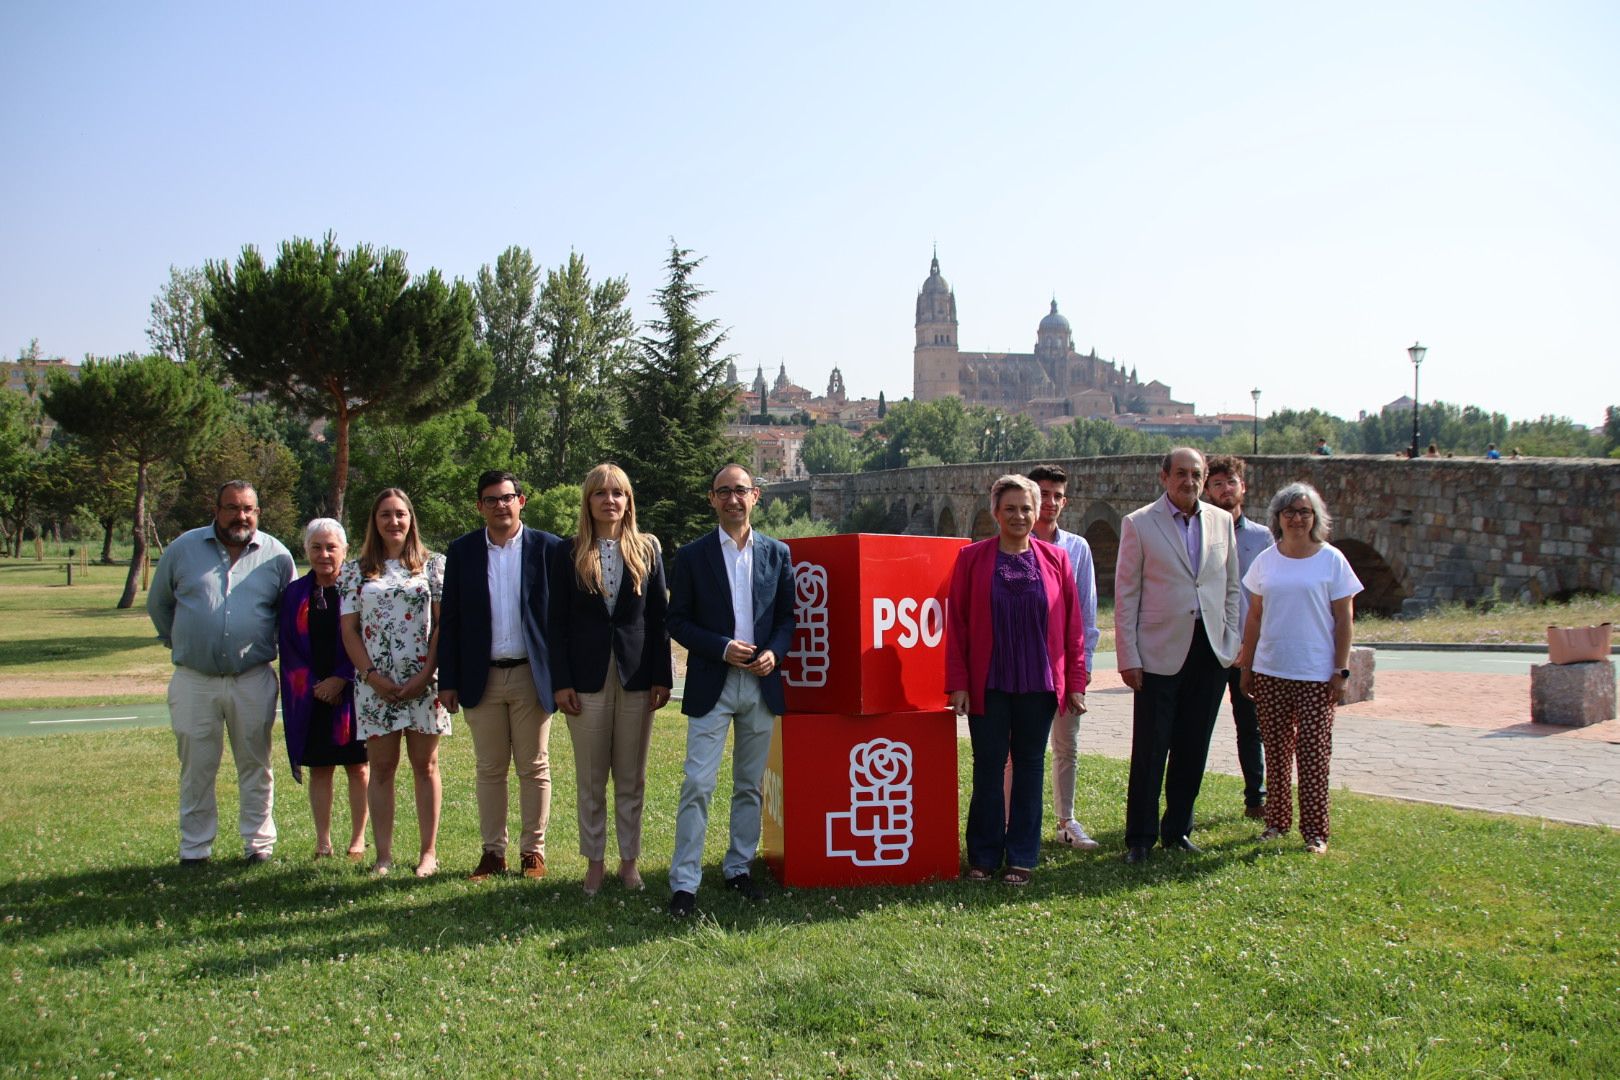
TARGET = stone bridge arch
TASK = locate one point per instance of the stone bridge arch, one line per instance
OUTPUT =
(1419, 533)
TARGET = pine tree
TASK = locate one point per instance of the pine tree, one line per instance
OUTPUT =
(676, 403)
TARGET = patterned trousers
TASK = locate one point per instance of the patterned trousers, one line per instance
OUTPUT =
(1296, 720)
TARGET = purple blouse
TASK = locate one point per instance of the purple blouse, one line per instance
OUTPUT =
(1018, 661)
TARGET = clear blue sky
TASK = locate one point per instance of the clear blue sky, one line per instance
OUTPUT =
(1221, 195)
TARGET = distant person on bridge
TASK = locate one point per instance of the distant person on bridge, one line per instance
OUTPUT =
(1296, 656)
(213, 601)
(1225, 487)
(1175, 633)
(1322, 447)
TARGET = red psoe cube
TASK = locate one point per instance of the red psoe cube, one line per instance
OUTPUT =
(862, 800)
(871, 623)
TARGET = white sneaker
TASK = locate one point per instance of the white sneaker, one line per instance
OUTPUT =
(1072, 834)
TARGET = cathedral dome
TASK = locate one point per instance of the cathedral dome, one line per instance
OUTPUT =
(1054, 322)
(935, 283)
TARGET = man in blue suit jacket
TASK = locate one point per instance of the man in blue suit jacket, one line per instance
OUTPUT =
(494, 660)
(731, 605)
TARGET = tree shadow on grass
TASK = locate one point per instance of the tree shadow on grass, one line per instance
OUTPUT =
(235, 919)
(58, 650)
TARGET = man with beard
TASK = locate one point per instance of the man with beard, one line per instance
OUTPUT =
(213, 601)
(1224, 487)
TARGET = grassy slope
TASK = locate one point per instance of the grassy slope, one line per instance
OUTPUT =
(1428, 943)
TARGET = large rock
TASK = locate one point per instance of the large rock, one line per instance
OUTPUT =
(1360, 686)
(1572, 695)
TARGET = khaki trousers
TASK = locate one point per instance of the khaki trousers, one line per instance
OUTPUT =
(203, 710)
(509, 727)
(610, 736)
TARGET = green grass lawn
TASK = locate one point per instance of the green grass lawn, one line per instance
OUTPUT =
(1428, 943)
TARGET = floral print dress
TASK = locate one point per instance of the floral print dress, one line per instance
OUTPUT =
(396, 620)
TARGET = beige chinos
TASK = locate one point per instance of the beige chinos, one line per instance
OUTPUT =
(610, 736)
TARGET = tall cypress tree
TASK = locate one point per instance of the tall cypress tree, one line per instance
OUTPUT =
(676, 403)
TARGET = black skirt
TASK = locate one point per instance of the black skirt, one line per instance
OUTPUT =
(324, 642)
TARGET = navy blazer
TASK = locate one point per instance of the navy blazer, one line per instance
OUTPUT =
(465, 625)
(700, 617)
(584, 633)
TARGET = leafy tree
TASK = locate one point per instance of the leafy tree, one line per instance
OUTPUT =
(943, 430)
(436, 461)
(178, 329)
(677, 398)
(508, 327)
(1091, 437)
(586, 329)
(20, 465)
(788, 519)
(883, 406)
(556, 509)
(146, 410)
(341, 335)
(1611, 429)
(829, 448)
(240, 453)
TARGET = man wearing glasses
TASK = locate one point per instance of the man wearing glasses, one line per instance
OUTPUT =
(731, 606)
(213, 601)
(493, 659)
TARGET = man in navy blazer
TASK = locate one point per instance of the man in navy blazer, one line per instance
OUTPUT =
(493, 659)
(731, 605)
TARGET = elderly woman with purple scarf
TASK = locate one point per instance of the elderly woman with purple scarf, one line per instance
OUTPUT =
(317, 688)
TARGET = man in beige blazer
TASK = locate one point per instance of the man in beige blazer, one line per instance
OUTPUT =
(1176, 631)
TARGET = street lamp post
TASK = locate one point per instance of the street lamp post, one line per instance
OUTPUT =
(1255, 393)
(1416, 352)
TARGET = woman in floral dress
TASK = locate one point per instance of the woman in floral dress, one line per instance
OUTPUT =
(390, 603)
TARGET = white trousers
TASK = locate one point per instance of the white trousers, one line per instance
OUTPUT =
(203, 710)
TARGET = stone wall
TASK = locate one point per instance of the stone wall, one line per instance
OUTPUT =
(1419, 533)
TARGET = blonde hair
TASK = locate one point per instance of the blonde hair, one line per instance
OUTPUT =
(373, 553)
(638, 550)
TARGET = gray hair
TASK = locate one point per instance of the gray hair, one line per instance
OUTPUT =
(1009, 481)
(1321, 520)
(324, 525)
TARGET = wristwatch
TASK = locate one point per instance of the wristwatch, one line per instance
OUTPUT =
(1344, 673)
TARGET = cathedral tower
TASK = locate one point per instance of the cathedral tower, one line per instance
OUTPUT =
(936, 360)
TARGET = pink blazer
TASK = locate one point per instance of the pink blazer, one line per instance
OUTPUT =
(968, 626)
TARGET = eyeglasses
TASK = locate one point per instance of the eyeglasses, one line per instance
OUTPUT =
(507, 499)
(1298, 512)
(728, 492)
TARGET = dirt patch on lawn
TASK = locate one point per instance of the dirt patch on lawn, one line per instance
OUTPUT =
(80, 686)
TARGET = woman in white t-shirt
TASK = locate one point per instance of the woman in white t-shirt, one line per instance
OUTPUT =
(1296, 656)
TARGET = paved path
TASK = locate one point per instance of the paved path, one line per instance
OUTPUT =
(1442, 727)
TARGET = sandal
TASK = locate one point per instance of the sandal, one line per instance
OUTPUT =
(1015, 875)
(978, 873)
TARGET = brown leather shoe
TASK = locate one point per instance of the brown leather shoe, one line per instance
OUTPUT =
(489, 866)
(533, 864)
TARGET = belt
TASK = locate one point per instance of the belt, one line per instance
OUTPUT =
(509, 662)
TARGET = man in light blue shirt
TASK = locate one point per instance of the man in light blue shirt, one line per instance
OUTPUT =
(1224, 487)
(213, 601)
(1054, 485)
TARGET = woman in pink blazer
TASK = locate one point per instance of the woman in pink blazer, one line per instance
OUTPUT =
(1014, 656)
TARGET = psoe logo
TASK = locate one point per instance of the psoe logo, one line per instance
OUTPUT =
(771, 793)
(920, 621)
(811, 655)
(877, 828)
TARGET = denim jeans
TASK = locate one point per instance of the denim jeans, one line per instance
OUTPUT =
(996, 831)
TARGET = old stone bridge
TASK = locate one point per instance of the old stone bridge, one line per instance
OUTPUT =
(1418, 533)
